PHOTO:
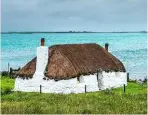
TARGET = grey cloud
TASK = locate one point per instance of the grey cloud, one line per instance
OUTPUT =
(65, 15)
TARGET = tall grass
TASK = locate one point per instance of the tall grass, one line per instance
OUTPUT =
(134, 101)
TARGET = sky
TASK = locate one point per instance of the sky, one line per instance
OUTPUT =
(74, 15)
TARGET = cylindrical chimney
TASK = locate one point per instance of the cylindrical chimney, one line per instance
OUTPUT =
(42, 41)
(106, 46)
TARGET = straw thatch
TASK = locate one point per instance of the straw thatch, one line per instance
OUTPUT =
(28, 70)
(72, 60)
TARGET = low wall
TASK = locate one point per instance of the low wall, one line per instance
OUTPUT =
(106, 80)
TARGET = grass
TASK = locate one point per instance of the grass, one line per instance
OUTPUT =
(115, 101)
(7, 85)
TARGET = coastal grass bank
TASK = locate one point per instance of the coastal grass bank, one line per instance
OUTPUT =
(113, 101)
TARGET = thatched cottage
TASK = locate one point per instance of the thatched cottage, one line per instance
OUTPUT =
(71, 68)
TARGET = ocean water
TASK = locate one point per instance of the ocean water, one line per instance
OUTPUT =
(130, 48)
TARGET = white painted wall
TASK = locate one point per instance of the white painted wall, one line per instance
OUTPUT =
(88, 79)
(106, 80)
(112, 79)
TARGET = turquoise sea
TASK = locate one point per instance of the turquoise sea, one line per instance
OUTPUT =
(130, 48)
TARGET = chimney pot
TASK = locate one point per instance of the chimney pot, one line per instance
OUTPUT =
(106, 46)
(42, 41)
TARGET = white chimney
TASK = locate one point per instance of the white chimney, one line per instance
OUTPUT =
(42, 58)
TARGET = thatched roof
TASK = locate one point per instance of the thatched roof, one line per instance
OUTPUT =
(28, 70)
(71, 60)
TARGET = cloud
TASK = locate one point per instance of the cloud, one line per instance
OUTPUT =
(65, 15)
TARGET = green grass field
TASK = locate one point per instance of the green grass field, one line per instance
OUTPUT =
(115, 101)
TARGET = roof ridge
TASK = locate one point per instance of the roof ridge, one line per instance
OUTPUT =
(72, 44)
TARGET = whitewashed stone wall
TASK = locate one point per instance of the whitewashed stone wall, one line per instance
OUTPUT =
(106, 80)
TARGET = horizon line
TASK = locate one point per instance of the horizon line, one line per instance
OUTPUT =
(75, 32)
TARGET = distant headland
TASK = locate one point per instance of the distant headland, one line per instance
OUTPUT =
(33, 32)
